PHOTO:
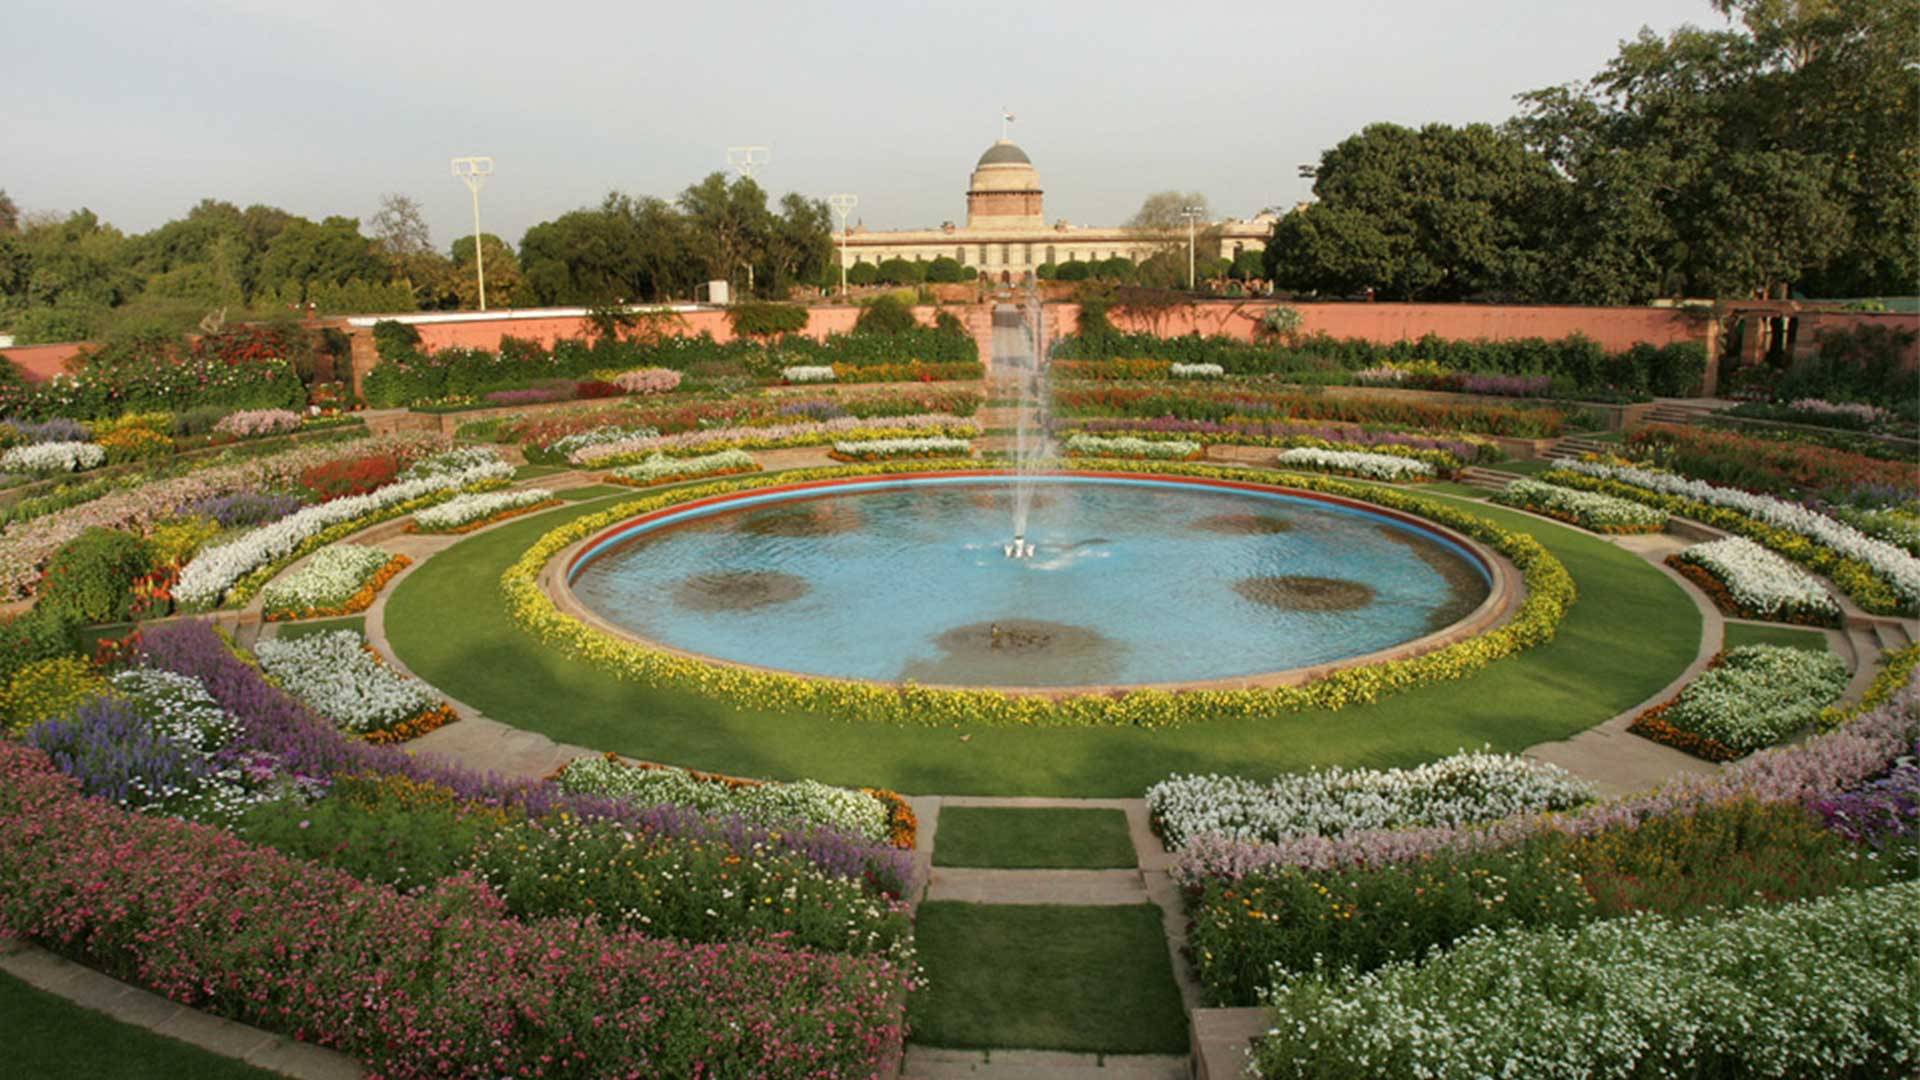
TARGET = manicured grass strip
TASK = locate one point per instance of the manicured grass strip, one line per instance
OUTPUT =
(1796, 637)
(1631, 631)
(355, 623)
(1049, 838)
(534, 472)
(49, 1038)
(1448, 487)
(1522, 468)
(580, 494)
(1046, 977)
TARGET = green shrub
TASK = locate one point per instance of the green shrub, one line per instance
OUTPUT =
(90, 579)
(944, 269)
(377, 829)
(40, 634)
(902, 272)
(395, 340)
(759, 318)
(198, 420)
(863, 274)
(886, 315)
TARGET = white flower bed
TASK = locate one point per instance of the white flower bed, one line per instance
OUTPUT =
(807, 802)
(53, 457)
(659, 467)
(1586, 508)
(455, 462)
(327, 580)
(809, 433)
(805, 373)
(1196, 371)
(476, 506)
(1355, 462)
(178, 707)
(215, 569)
(1759, 695)
(335, 675)
(1819, 988)
(1765, 585)
(600, 436)
(1865, 414)
(1458, 790)
(1380, 376)
(880, 449)
(1126, 446)
(1900, 569)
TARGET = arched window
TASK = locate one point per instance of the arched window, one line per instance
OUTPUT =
(983, 254)
(1049, 252)
(960, 253)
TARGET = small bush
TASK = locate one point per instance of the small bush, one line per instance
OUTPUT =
(395, 341)
(40, 634)
(135, 444)
(762, 319)
(198, 420)
(885, 315)
(90, 579)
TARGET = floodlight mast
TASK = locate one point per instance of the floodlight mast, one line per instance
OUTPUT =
(744, 160)
(475, 170)
(1192, 214)
(843, 205)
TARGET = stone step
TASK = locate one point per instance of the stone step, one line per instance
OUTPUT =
(1073, 887)
(1489, 479)
(1891, 635)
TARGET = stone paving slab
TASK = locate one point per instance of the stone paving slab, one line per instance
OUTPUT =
(1075, 887)
(930, 1063)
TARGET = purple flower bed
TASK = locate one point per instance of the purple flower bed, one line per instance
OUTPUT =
(1460, 448)
(116, 754)
(244, 507)
(308, 745)
(1506, 385)
(1807, 772)
(1882, 811)
(813, 410)
(58, 429)
(537, 395)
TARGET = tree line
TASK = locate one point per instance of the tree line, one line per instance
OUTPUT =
(1780, 153)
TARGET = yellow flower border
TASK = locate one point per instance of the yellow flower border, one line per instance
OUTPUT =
(1550, 592)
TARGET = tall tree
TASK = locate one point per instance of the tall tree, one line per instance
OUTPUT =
(727, 223)
(9, 214)
(505, 285)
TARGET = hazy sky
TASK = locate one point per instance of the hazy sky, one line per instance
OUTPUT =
(140, 108)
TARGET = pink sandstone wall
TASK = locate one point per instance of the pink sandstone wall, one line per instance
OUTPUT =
(486, 334)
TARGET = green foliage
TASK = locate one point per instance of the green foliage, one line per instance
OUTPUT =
(46, 690)
(1862, 364)
(945, 268)
(760, 319)
(863, 274)
(384, 830)
(395, 340)
(901, 272)
(885, 315)
(40, 634)
(90, 579)
(947, 322)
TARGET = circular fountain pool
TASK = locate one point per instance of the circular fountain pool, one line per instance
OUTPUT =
(1132, 581)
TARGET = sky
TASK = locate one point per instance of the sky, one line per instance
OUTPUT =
(138, 109)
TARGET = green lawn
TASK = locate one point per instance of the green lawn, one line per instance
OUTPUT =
(535, 472)
(591, 491)
(355, 623)
(1522, 468)
(49, 1038)
(1739, 634)
(1631, 632)
(1046, 977)
(1053, 838)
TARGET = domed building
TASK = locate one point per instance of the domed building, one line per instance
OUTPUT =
(1006, 235)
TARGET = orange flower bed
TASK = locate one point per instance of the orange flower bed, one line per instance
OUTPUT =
(414, 726)
(1652, 724)
(492, 519)
(358, 602)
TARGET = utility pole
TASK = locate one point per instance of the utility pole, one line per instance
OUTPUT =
(1192, 214)
(843, 205)
(744, 160)
(475, 170)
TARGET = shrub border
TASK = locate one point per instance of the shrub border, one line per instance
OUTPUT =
(1549, 592)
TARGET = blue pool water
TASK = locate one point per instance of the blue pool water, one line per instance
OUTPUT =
(1134, 582)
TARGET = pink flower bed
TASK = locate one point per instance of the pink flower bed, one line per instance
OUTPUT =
(652, 380)
(430, 985)
(248, 423)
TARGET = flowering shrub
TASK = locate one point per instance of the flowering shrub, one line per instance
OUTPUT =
(340, 679)
(1196, 371)
(1879, 576)
(464, 513)
(1549, 592)
(134, 444)
(45, 690)
(1599, 513)
(647, 381)
(661, 469)
(804, 803)
(339, 579)
(1757, 696)
(1126, 446)
(218, 569)
(243, 508)
(1883, 812)
(252, 423)
(116, 754)
(807, 373)
(1454, 791)
(1632, 997)
(354, 476)
(91, 578)
(773, 437)
(1791, 470)
(440, 984)
(1858, 413)
(934, 446)
(1748, 581)
(53, 457)
(1355, 463)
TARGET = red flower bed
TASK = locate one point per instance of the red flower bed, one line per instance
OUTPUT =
(432, 985)
(1772, 466)
(595, 388)
(353, 476)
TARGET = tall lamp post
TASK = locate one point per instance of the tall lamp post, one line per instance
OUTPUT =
(843, 205)
(1192, 214)
(475, 170)
(745, 160)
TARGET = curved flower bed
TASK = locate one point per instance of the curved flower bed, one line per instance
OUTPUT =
(806, 802)
(1355, 463)
(475, 510)
(338, 580)
(1454, 791)
(661, 469)
(1598, 513)
(774, 437)
(444, 983)
(1879, 576)
(935, 446)
(1751, 698)
(1127, 446)
(1550, 591)
(339, 677)
(1747, 581)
